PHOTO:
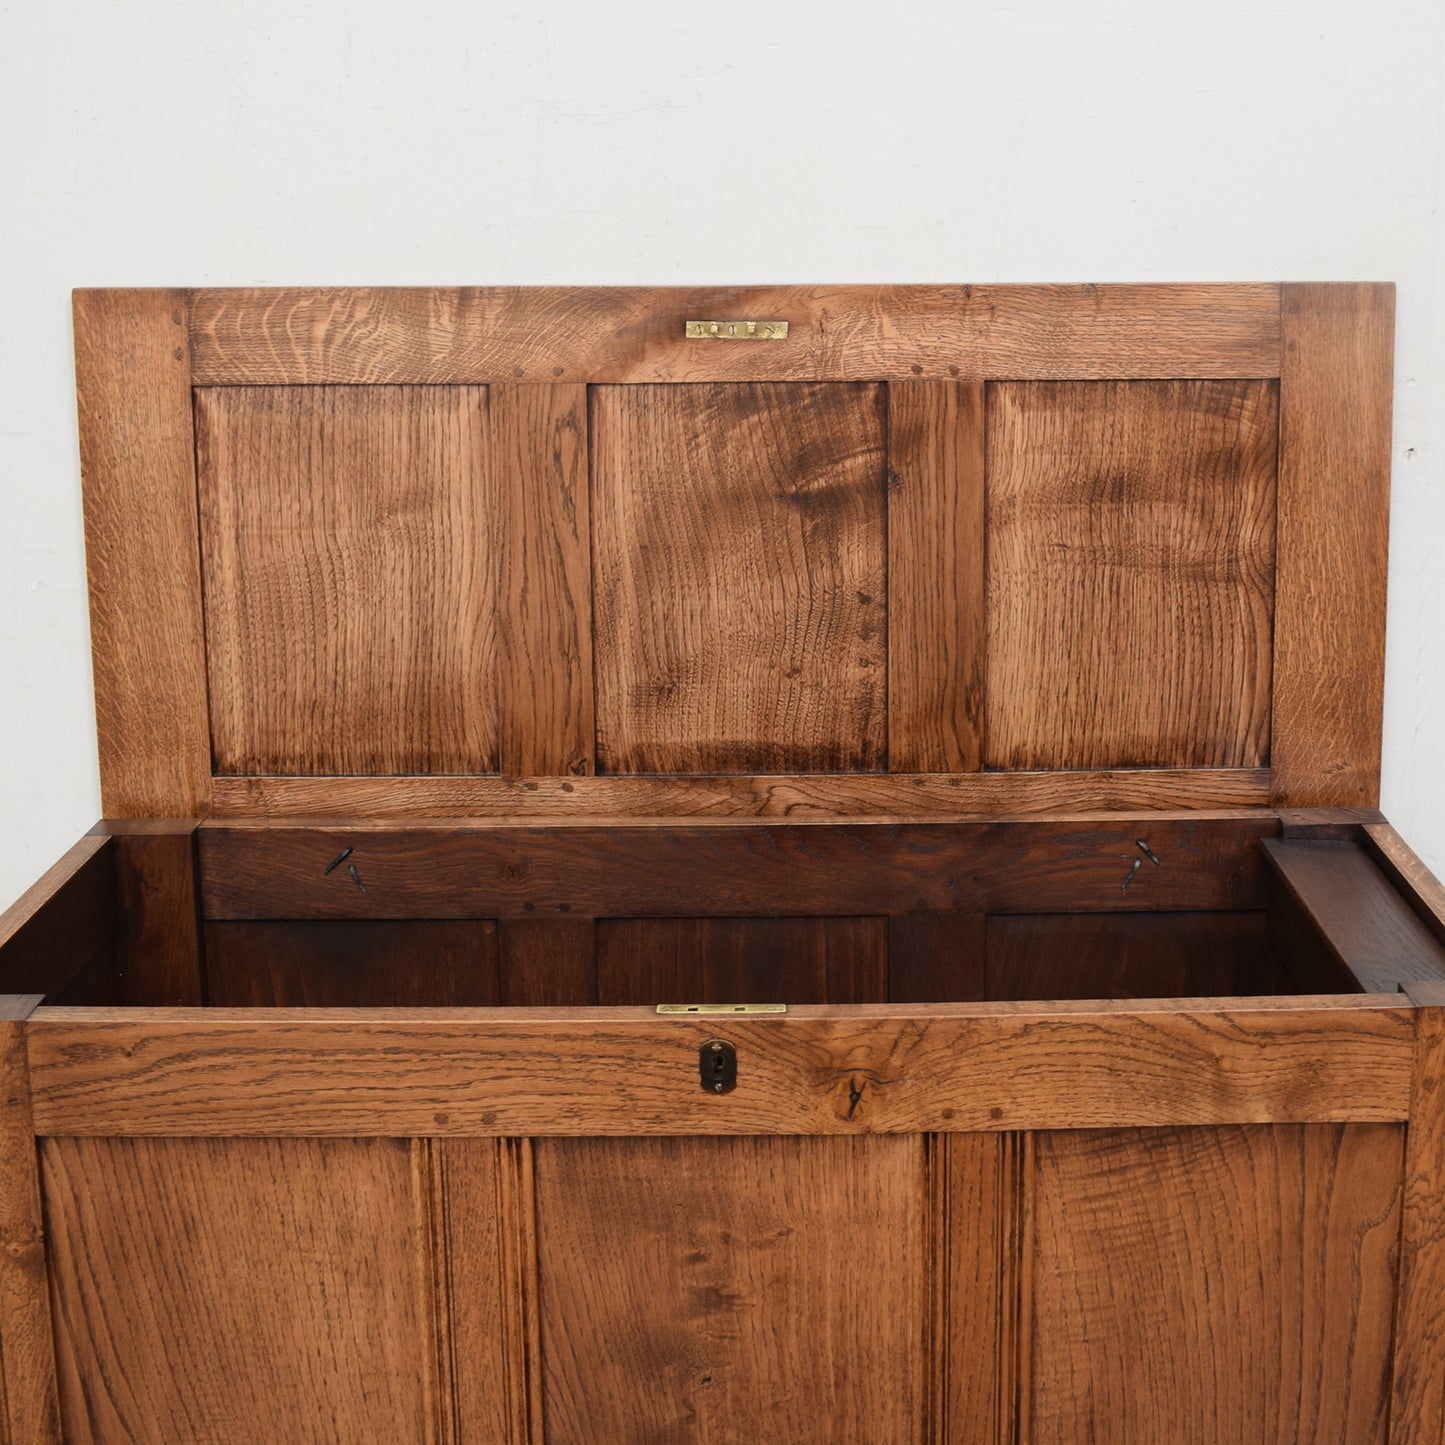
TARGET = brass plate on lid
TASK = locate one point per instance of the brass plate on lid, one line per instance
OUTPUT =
(736, 330)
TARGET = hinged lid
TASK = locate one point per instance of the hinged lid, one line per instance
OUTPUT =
(850, 550)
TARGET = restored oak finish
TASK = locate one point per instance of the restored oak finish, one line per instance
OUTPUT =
(460, 335)
(62, 923)
(757, 1288)
(1355, 915)
(989, 674)
(1133, 955)
(347, 556)
(157, 947)
(1417, 1409)
(27, 1352)
(742, 960)
(1334, 483)
(764, 649)
(936, 531)
(349, 965)
(810, 795)
(538, 465)
(1130, 573)
(233, 1290)
(661, 870)
(1211, 1285)
(138, 466)
(913, 1067)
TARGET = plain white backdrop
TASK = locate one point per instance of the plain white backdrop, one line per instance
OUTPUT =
(256, 142)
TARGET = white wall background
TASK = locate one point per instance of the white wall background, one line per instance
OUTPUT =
(209, 142)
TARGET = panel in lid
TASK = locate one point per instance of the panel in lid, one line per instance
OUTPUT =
(829, 594)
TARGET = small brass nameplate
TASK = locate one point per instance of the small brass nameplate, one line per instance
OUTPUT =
(722, 1008)
(737, 330)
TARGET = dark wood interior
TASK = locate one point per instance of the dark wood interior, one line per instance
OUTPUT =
(1252, 903)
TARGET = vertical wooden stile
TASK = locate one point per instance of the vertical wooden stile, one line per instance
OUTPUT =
(539, 471)
(138, 469)
(1334, 476)
(1417, 1403)
(27, 1352)
(935, 576)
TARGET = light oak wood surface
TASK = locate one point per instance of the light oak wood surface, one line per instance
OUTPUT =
(914, 1068)
(713, 1290)
(133, 379)
(225, 1291)
(1130, 573)
(349, 546)
(740, 589)
(467, 335)
(1208, 1286)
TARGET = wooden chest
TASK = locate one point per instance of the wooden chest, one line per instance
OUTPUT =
(963, 702)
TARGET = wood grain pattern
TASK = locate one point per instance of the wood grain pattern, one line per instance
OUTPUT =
(1334, 482)
(936, 957)
(352, 965)
(1358, 917)
(936, 549)
(349, 540)
(236, 1290)
(734, 869)
(61, 922)
(742, 960)
(838, 333)
(1131, 542)
(539, 463)
(138, 469)
(31, 1410)
(741, 1289)
(1403, 867)
(1135, 955)
(979, 1215)
(1417, 1410)
(547, 962)
(914, 1067)
(741, 597)
(1214, 1287)
(158, 942)
(815, 796)
(489, 1254)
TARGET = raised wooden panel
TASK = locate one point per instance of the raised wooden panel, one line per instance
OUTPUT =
(352, 964)
(349, 555)
(1132, 955)
(739, 1289)
(228, 1291)
(742, 960)
(1230, 1286)
(741, 603)
(1131, 547)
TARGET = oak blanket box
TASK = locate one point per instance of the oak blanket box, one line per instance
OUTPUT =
(957, 707)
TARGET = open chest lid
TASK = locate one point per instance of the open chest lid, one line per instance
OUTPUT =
(793, 551)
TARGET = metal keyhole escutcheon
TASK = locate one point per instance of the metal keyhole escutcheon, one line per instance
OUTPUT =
(717, 1065)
